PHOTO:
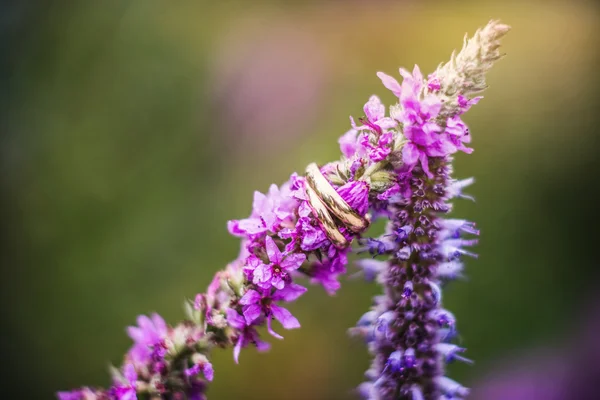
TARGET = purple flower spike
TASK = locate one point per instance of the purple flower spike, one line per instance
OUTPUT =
(407, 329)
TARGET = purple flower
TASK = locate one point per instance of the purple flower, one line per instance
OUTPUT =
(308, 231)
(84, 393)
(205, 367)
(433, 83)
(356, 194)
(72, 395)
(418, 114)
(247, 334)
(268, 212)
(375, 120)
(147, 334)
(277, 272)
(261, 303)
(350, 145)
(125, 389)
(390, 83)
(465, 103)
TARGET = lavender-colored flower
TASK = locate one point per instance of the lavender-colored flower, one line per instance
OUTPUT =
(350, 144)
(81, 394)
(277, 272)
(125, 389)
(375, 117)
(148, 333)
(201, 366)
(246, 334)
(257, 304)
(268, 211)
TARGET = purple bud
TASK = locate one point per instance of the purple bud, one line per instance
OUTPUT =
(394, 361)
(409, 360)
(443, 318)
(450, 352)
(408, 289)
(451, 388)
(404, 253)
(367, 318)
(366, 390)
(402, 216)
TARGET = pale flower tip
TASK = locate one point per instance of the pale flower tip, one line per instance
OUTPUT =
(497, 29)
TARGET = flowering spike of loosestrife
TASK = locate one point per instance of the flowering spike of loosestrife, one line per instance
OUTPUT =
(407, 329)
(395, 166)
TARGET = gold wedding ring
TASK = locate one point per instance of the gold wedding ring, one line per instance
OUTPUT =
(324, 199)
(325, 219)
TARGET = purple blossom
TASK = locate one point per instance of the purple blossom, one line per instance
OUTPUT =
(257, 304)
(433, 83)
(125, 389)
(247, 334)
(79, 394)
(147, 334)
(465, 103)
(356, 194)
(277, 272)
(350, 145)
(268, 212)
(205, 367)
(390, 83)
(308, 231)
(418, 113)
(71, 395)
(375, 120)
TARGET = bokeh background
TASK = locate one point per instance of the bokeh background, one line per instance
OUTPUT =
(133, 130)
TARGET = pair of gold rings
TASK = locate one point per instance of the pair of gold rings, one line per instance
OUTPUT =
(324, 201)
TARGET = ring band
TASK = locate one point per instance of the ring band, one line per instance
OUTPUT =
(324, 199)
(334, 202)
(325, 219)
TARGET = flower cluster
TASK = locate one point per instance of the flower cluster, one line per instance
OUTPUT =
(281, 240)
(395, 166)
(408, 331)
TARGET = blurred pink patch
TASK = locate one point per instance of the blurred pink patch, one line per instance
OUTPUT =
(269, 82)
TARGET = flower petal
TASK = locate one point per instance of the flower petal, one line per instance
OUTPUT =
(270, 329)
(284, 317)
(275, 255)
(262, 273)
(234, 319)
(129, 373)
(208, 371)
(277, 282)
(293, 261)
(290, 293)
(251, 313)
(390, 83)
(237, 349)
(374, 109)
(410, 154)
(251, 297)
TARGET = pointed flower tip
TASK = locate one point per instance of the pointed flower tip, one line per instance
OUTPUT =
(498, 27)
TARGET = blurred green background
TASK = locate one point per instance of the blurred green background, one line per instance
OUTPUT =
(133, 130)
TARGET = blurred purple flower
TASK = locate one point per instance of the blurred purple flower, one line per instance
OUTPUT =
(147, 334)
